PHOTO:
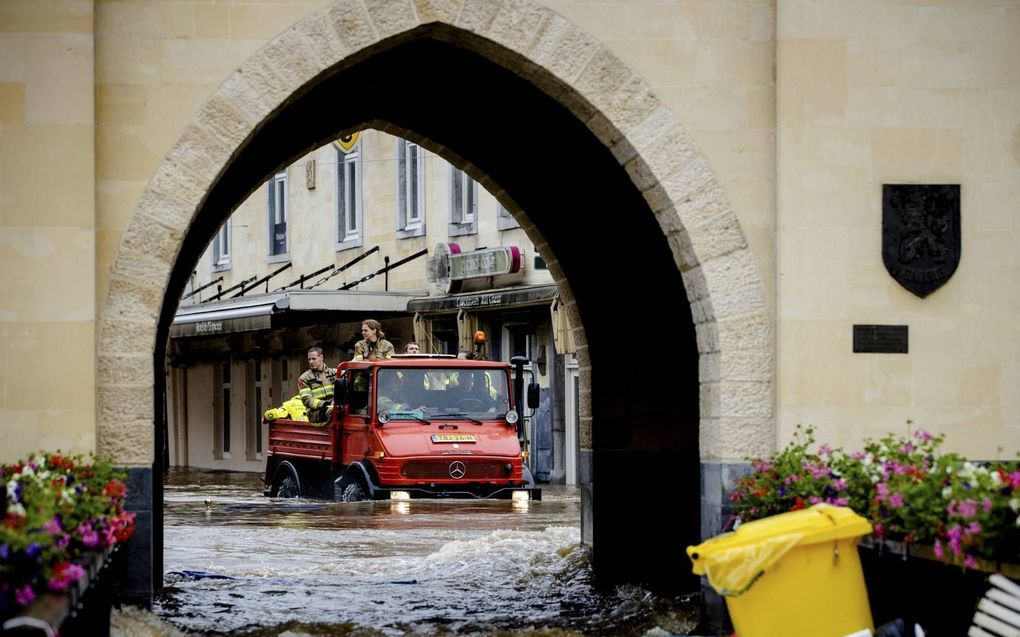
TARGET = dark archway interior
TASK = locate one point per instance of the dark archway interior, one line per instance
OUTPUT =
(641, 482)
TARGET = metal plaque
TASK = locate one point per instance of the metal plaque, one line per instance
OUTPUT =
(881, 339)
(921, 234)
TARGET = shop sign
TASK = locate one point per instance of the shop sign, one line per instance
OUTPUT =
(484, 262)
(449, 266)
(480, 300)
(209, 327)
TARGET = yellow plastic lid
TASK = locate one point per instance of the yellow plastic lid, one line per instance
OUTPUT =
(734, 560)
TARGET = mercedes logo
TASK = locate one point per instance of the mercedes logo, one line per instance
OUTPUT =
(457, 470)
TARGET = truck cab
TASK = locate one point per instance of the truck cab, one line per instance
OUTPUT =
(410, 427)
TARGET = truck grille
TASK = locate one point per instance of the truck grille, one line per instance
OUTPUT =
(441, 470)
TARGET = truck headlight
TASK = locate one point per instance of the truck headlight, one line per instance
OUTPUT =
(400, 495)
(520, 496)
(512, 417)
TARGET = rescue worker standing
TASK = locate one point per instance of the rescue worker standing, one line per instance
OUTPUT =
(374, 346)
(315, 387)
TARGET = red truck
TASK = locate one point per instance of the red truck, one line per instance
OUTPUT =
(410, 427)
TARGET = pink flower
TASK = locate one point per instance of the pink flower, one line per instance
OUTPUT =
(814, 499)
(791, 479)
(952, 508)
(64, 575)
(987, 504)
(90, 539)
(24, 596)
(907, 448)
(974, 528)
(879, 530)
(882, 489)
(1014, 479)
(839, 485)
(762, 465)
(824, 450)
(968, 508)
(955, 535)
(970, 562)
(939, 553)
(896, 500)
(841, 502)
(53, 526)
(818, 472)
(922, 435)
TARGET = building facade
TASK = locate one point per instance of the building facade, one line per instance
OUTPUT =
(734, 155)
(368, 226)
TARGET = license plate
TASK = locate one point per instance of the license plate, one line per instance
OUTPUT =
(454, 438)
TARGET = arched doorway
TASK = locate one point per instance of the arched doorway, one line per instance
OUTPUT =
(649, 258)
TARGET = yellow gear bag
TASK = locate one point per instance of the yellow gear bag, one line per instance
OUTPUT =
(292, 409)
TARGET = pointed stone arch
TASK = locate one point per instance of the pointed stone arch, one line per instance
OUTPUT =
(721, 279)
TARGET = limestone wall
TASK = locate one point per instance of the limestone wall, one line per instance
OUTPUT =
(868, 92)
(898, 92)
(47, 228)
(313, 218)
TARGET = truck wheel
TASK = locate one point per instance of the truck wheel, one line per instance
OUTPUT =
(354, 492)
(286, 484)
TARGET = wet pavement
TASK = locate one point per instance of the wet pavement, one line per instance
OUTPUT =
(239, 563)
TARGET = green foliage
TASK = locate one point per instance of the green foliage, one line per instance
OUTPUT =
(57, 507)
(902, 485)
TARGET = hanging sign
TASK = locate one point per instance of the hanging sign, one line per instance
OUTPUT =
(449, 266)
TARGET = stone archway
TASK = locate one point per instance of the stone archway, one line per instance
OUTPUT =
(655, 168)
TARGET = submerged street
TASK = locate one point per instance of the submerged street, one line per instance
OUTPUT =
(239, 563)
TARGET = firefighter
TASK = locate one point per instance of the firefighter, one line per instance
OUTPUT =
(374, 346)
(315, 386)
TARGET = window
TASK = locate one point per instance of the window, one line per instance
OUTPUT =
(278, 246)
(221, 248)
(221, 410)
(463, 203)
(539, 261)
(504, 220)
(348, 198)
(410, 189)
(253, 442)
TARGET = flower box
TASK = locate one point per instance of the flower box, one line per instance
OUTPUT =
(82, 609)
(941, 522)
(63, 518)
(909, 581)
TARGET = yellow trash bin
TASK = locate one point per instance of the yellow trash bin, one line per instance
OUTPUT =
(791, 575)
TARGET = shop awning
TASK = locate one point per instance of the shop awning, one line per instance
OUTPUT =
(507, 297)
(257, 312)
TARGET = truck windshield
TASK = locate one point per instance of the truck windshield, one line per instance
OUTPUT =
(416, 393)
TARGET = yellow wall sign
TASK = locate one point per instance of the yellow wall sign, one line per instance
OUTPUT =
(347, 142)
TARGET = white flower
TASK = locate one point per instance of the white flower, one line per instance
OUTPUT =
(12, 485)
(996, 479)
(946, 492)
(1014, 503)
(17, 510)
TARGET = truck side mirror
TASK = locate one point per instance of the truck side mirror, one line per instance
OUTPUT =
(340, 391)
(534, 394)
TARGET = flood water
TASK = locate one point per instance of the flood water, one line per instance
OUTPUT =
(245, 564)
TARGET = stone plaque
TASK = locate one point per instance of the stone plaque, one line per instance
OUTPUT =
(880, 339)
(921, 234)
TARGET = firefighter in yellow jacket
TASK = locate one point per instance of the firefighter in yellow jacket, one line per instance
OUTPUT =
(315, 386)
